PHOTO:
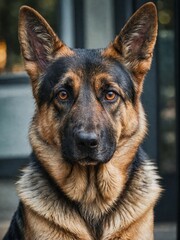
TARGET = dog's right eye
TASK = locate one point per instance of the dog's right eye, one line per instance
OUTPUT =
(63, 95)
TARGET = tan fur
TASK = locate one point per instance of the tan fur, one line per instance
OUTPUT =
(140, 229)
(136, 205)
(103, 197)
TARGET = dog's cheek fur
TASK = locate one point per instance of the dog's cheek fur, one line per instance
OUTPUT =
(47, 125)
(130, 121)
(131, 127)
(125, 121)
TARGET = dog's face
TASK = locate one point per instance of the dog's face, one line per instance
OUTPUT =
(88, 92)
(87, 100)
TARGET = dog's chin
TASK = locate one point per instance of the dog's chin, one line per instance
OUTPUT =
(89, 161)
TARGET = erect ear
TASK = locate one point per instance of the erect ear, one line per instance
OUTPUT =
(135, 43)
(39, 44)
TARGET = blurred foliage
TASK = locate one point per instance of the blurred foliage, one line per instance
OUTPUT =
(166, 68)
(9, 10)
(166, 14)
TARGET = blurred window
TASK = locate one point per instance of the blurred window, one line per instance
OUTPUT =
(166, 66)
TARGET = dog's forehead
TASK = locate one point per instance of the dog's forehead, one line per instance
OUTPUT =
(86, 63)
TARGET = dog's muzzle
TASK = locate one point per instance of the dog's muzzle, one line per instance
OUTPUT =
(87, 147)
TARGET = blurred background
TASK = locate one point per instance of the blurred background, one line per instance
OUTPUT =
(89, 24)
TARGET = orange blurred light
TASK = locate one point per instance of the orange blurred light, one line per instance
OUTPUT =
(3, 55)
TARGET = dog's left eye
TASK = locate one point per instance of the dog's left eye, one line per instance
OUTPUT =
(63, 95)
(110, 96)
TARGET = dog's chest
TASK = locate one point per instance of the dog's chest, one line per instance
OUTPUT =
(41, 229)
(38, 228)
(51, 215)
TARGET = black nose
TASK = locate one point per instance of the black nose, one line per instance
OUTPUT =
(87, 139)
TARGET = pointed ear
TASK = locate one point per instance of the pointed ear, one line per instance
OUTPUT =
(135, 43)
(39, 44)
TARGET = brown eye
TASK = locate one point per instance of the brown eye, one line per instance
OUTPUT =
(63, 95)
(110, 96)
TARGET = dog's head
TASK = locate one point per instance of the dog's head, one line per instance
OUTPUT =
(88, 101)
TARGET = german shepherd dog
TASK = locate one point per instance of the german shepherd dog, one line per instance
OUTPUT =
(88, 178)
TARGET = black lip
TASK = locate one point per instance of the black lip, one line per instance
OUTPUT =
(91, 161)
(88, 161)
(88, 158)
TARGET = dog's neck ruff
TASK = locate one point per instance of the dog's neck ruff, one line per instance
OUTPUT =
(140, 194)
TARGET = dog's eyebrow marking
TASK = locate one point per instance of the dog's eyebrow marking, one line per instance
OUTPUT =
(102, 80)
(69, 79)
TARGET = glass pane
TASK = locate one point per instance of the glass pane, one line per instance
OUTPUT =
(167, 86)
(16, 108)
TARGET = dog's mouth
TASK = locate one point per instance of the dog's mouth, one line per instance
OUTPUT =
(88, 161)
(90, 158)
